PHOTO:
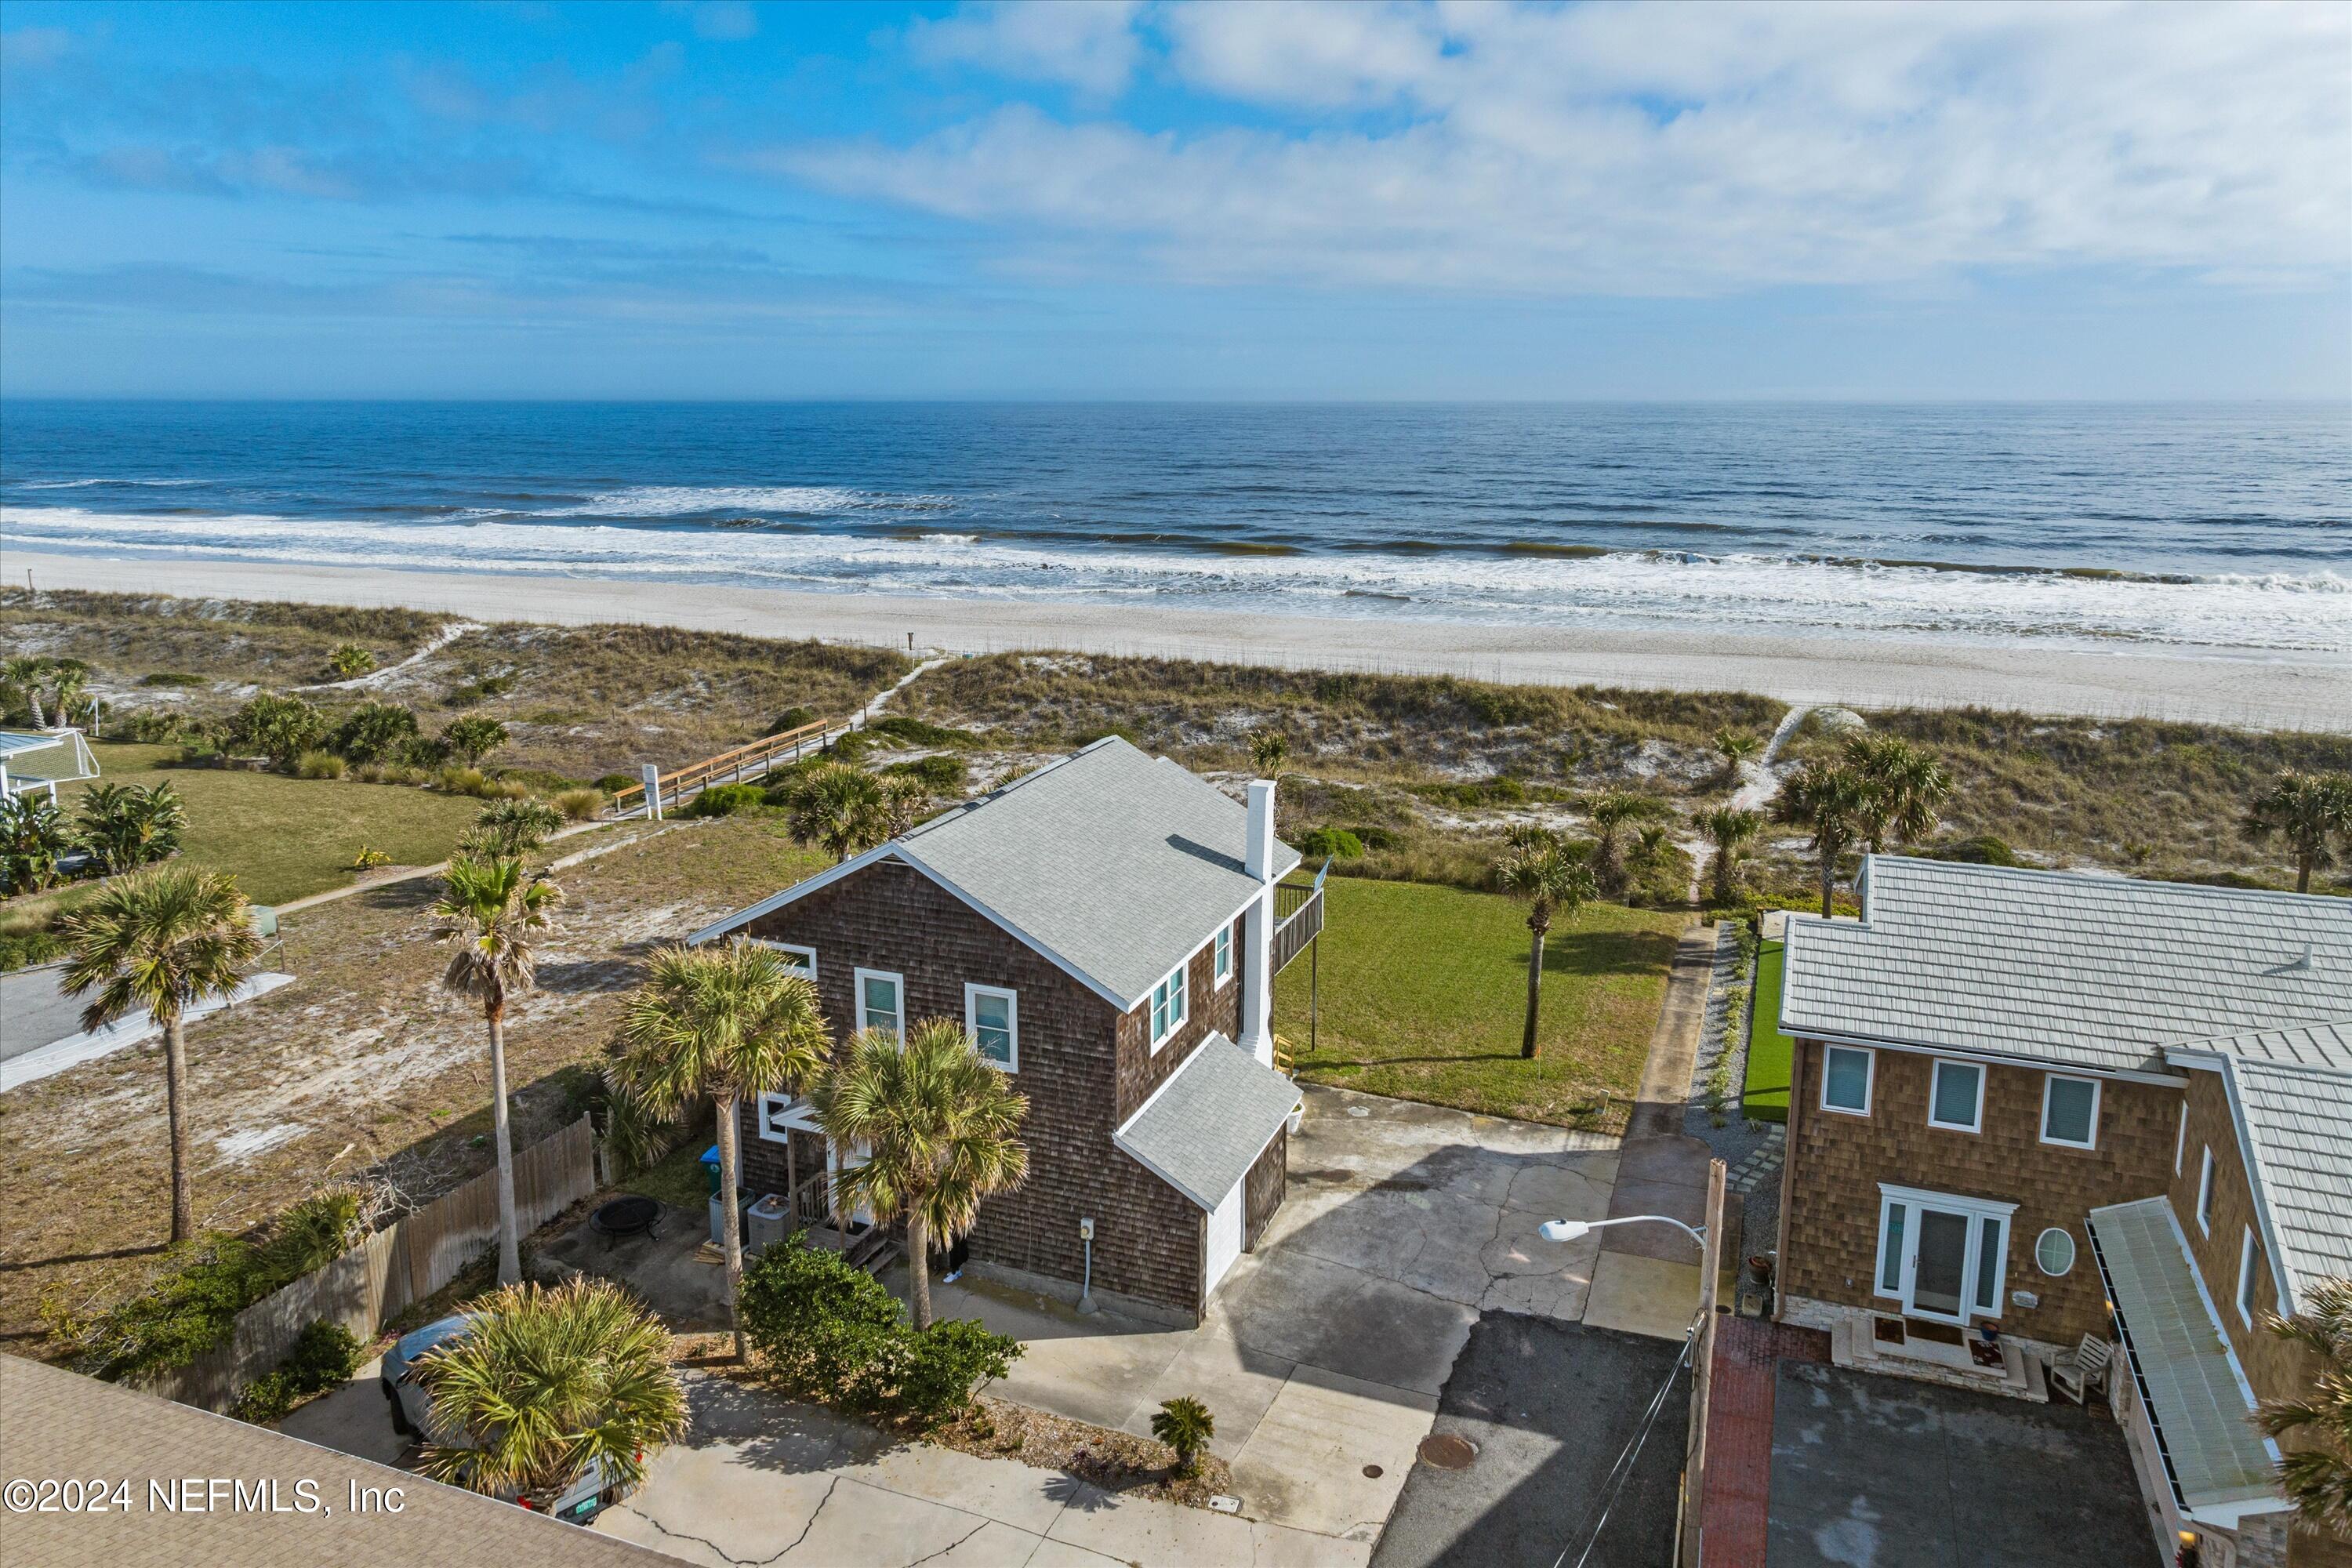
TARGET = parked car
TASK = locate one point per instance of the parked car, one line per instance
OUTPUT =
(590, 1492)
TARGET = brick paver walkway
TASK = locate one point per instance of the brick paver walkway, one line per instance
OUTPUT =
(1739, 1433)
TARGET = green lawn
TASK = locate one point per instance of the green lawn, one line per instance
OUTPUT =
(1770, 1052)
(1423, 998)
(284, 837)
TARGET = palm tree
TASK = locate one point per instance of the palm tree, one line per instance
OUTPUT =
(490, 910)
(1836, 802)
(2313, 812)
(125, 827)
(723, 1022)
(1611, 811)
(1731, 831)
(21, 677)
(510, 827)
(1553, 878)
(545, 1382)
(848, 811)
(939, 1122)
(1909, 787)
(2317, 1478)
(1735, 747)
(1185, 1425)
(69, 678)
(162, 940)
(1269, 749)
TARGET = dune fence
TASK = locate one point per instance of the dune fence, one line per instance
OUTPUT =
(404, 1263)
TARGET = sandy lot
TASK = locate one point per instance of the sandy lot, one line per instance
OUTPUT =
(362, 1065)
(2307, 692)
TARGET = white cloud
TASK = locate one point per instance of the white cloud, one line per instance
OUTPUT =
(1654, 148)
(727, 20)
(31, 46)
(1089, 44)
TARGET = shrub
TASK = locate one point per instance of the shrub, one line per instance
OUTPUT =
(472, 738)
(320, 765)
(914, 731)
(581, 804)
(726, 799)
(479, 784)
(349, 660)
(1336, 843)
(278, 728)
(614, 783)
(1185, 1425)
(323, 1356)
(368, 858)
(375, 733)
(480, 691)
(125, 827)
(1984, 849)
(33, 836)
(169, 677)
(941, 775)
(157, 727)
(825, 1327)
(510, 827)
(941, 1367)
(21, 949)
(791, 719)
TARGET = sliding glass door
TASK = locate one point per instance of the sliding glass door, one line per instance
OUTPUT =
(1943, 1257)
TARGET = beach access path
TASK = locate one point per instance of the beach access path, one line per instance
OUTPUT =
(2303, 690)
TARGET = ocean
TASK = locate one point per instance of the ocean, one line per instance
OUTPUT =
(2212, 526)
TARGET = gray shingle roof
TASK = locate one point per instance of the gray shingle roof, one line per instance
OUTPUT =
(2096, 972)
(1116, 864)
(1121, 863)
(2194, 1389)
(1202, 1130)
(2299, 1119)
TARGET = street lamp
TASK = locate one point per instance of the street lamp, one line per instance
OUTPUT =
(1570, 1229)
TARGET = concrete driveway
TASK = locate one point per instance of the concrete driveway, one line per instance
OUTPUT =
(1324, 1353)
(1881, 1472)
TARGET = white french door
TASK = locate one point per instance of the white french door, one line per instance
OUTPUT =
(1944, 1257)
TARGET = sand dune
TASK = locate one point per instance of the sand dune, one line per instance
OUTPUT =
(2311, 691)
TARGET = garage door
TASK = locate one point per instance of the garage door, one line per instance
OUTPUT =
(1224, 1236)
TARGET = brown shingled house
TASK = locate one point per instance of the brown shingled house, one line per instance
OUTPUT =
(2029, 1106)
(1107, 929)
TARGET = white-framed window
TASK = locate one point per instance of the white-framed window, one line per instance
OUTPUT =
(2070, 1111)
(1168, 1005)
(1942, 1256)
(2053, 1251)
(2246, 1278)
(882, 1001)
(2181, 1139)
(1955, 1096)
(1224, 966)
(2205, 1191)
(781, 1115)
(991, 1014)
(801, 958)
(1846, 1072)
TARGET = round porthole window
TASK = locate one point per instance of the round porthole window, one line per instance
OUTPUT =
(2054, 1251)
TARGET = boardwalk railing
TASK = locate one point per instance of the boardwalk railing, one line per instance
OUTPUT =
(405, 1262)
(727, 767)
(1298, 914)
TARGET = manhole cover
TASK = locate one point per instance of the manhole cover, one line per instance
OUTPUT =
(1372, 1472)
(1447, 1452)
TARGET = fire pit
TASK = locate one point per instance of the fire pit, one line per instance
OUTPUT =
(626, 1216)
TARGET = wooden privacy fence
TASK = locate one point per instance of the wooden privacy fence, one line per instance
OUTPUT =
(402, 1263)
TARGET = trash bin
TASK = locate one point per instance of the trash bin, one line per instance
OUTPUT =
(766, 1223)
(719, 1216)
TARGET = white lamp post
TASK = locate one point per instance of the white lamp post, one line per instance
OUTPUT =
(1570, 1229)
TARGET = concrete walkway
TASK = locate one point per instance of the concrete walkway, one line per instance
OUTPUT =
(763, 1480)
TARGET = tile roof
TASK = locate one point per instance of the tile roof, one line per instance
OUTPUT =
(62, 1424)
(1117, 864)
(2095, 971)
(1202, 1129)
(2194, 1388)
(2299, 1123)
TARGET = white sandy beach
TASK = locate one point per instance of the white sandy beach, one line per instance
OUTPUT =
(2309, 691)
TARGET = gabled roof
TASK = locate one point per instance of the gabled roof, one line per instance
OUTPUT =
(2195, 1391)
(1115, 865)
(2072, 970)
(2295, 1123)
(1204, 1127)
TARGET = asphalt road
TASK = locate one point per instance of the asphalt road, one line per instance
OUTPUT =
(1550, 1406)
(33, 1012)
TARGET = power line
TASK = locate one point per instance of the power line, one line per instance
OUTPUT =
(1623, 1471)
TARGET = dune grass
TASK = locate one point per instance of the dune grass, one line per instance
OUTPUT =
(1770, 1054)
(1423, 992)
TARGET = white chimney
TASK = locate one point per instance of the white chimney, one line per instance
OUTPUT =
(1257, 927)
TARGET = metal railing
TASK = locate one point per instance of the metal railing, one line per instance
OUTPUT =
(1298, 915)
(727, 767)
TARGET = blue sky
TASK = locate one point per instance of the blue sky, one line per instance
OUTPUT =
(1124, 200)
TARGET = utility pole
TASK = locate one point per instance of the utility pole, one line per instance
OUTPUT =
(1690, 1549)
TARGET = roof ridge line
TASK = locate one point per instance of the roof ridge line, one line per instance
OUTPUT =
(2104, 879)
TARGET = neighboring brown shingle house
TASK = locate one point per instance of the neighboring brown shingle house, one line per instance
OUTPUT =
(2055, 1105)
(200, 1490)
(1104, 927)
